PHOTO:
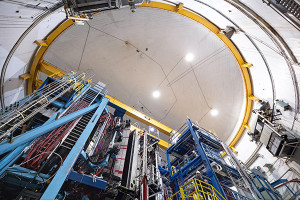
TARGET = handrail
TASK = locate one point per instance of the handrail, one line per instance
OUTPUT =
(295, 180)
(24, 112)
(199, 188)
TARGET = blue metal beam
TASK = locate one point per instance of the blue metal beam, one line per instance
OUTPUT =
(106, 109)
(87, 180)
(57, 104)
(182, 137)
(162, 170)
(210, 172)
(17, 168)
(68, 163)
(26, 175)
(277, 182)
(32, 134)
(12, 156)
(53, 117)
(193, 164)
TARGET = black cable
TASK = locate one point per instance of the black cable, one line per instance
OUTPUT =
(201, 89)
(168, 111)
(171, 70)
(197, 65)
(87, 35)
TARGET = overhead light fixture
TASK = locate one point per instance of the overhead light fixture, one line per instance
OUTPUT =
(214, 112)
(152, 129)
(189, 57)
(156, 94)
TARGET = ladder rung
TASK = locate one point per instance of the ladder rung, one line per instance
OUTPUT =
(71, 140)
(76, 128)
(68, 143)
(73, 135)
(81, 125)
(78, 132)
(65, 147)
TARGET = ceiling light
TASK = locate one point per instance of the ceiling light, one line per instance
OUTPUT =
(189, 57)
(156, 94)
(214, 112)
(151, 129)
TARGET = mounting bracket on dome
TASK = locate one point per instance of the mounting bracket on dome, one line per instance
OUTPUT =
(229, 31)
(132, 3)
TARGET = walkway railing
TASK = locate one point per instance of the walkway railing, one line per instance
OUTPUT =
(196, 189)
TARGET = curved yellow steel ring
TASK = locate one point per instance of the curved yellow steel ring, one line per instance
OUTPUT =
(34, 72)
(243, 65)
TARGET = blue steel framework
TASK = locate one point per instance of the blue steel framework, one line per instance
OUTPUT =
(287, 189)
(181, 167)
(207, 150)
(65, 169)
(263, 185)
(11, 150)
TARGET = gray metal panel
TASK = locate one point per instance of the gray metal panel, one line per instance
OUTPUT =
(265, 135)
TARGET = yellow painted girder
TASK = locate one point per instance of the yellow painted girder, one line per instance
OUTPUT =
(49, 69)
(41, 43)
(25, 76)
(247, 65)
(254, 98)
(162, 144)
(141, 117)
(234, 150)
(247, 126)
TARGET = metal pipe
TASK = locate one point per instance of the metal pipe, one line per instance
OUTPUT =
(33, 134)
(293, 180)
(243, 173)
(16, 45)
(269, 30)
(266, 24)
(38, 108)
(249, 161)
(11, 157)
